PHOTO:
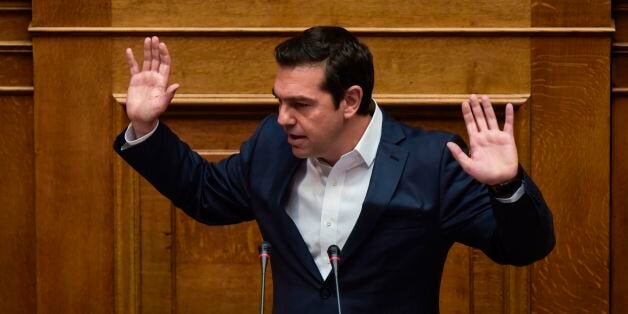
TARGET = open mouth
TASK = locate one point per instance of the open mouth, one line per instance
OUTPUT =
(296, 140)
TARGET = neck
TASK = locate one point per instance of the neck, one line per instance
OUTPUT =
(351, 134)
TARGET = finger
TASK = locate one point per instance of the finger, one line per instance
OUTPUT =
(147, 53)
(164, 56)
(171, 90)
(478, 114)
(154, 45)
(469, 121)
(510, 119)
(130, 60)
(489, 113)
(459, 155)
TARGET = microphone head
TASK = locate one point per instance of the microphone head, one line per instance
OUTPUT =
(265, 248)
(333, 251)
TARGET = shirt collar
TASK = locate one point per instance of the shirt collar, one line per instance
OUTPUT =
(368, 144)
(364, 151)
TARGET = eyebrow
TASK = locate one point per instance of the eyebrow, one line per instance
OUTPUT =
(298, 98)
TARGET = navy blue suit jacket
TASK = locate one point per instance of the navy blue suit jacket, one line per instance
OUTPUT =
(419, 202)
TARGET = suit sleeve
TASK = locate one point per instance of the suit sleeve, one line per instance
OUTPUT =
(212, 193)
(516, 233)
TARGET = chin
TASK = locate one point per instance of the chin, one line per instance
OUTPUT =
(300, 153)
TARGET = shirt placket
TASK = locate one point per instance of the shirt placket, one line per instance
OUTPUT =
(330, 209)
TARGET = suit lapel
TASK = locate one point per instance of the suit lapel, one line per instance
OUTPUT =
(292, 238)
(387, 170)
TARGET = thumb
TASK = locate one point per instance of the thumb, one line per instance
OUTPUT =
(171, 90)
(459, 154)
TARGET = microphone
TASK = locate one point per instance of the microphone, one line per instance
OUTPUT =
(264, 257)
(334, 257)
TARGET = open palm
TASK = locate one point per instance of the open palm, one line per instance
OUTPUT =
(492, 157)
(148, 95)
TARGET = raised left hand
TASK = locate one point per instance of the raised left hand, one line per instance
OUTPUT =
(492, 156)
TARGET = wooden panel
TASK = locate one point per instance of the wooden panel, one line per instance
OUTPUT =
(621, 24)
(14, 24)
(402, 64)
(619, 217)
(620, 75)
(400, 13)
(619, 155)
(221, 262)
(72, 13)
(16, 69)
(487, 280)
(126, 229)
(74, 185)
(570, 97)
(456, 283)
(17, 217)
(571, 13)
(156, 242)
(17, 154)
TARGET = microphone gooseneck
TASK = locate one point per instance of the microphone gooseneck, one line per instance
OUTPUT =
(264, 257)
(334, 257)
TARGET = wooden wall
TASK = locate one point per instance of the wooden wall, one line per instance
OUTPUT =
(84, 234)
(619, 158)
(17, 154)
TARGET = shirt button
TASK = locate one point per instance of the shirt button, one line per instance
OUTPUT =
(328, 224)
(325, 293)
(334, 183)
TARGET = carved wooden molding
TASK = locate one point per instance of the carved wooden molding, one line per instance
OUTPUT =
(620, 7)
(401, 31)
(620, 48)
(620, 91)
(15, 6)
(16, 46)
(16, 90)
(266, 100)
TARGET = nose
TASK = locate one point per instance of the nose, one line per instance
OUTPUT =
(285, 117)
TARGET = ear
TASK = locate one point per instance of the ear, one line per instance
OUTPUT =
(351, 102)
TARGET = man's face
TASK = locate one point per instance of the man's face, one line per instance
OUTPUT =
(307, 113)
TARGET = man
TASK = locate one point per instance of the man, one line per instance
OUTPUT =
(332, 168)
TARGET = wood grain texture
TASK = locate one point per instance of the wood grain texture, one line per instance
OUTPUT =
(621, 25)
(619, 72)
(401, 13)
(16, 5)
(289, 31)
(570, 128)
(16, 69)
(215, 101)
(157, 252)
(127, 228)
(571, 12)
(402, 64)
(71, 13)
(17, 217)
(619, 201)
(456, 283)
(619, 155)
(14, 25)
(218, 268)
(74, 180)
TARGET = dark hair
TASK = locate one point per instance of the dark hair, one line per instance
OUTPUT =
(348, 62)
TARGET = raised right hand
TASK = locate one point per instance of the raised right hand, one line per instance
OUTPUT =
(148, 97)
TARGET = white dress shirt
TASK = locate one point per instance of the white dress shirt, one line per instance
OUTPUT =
(325, 201)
